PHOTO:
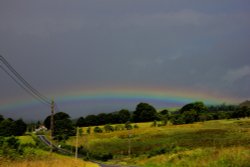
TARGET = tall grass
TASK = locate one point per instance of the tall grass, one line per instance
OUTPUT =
(46, 159)
(185, 142)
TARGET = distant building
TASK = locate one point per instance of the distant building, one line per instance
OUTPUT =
(41, 128)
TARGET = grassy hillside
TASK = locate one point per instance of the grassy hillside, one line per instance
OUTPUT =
(45, 159)
(32, 156)
(211, 143)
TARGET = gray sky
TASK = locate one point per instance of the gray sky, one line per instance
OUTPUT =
(58, 44)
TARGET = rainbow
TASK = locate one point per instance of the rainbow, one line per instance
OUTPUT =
(143, 94)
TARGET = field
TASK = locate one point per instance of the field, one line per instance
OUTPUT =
(47, 160)
(33, 157)
(211, 143)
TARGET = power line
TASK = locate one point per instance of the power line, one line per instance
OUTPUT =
(24, 88)
(18, 79)
(24, 82)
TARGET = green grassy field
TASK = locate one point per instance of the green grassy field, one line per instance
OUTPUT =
(211, 143)
(32, 156)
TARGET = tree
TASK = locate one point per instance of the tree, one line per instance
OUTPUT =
(144, 113)
(124, 116)
(57, 116)
(63, 126)
(7, 128)
(19, 127)
(190, 116)
(91, 120)
(102, 119)
(1, 118)
(197, 106)
(177, 119)
(164, 116)
(81, 122)
(241, 112)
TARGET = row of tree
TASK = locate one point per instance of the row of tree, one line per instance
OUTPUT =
(143, 113)
(189, 113)
(9, 127)
(197, 111)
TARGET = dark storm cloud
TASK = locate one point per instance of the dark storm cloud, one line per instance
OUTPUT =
(202, 45)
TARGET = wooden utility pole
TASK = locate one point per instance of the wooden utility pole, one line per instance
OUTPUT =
(76, 149)
(129, 143)
(52, 124)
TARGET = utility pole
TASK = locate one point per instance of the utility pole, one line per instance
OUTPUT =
(129, 143)
(52, 124)
(76, 149)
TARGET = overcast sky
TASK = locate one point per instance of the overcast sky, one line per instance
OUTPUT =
(60, 44)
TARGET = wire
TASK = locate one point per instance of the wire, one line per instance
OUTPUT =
(25, 89)
(25, 85)
(33, 90)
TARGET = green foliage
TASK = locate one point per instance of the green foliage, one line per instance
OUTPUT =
(88, 130)
(1, 118)
(63, 126)
(154, 124)
(9, 147)
(241, 112)
(136, 126)
(199, 107)
(102, 156)
(177, 119)
(119, 127)
(81, 122)
(91, 120)
(128, 126)
(108, 128)
(9, 127)
(97, 129)
(124, 116)
(19, 127)
(144, 113)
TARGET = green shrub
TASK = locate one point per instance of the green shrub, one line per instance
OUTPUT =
(97, 129)
(108, 128)
(102, 156)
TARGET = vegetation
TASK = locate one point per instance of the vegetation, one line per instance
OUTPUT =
(9, 127)
(209, 143)
(63, 126)
(144, 137)
(189, 113)
(25, 151)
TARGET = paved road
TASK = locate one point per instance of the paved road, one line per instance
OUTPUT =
(47, 142)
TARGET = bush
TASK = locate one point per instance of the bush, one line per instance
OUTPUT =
(136, 126)
(10, 147)
(119, 127)
(157, 151)
(102, 156)
(108, 128)
(128, 126)
(97, 129)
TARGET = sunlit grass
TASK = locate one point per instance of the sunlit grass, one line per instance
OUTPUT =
(26, 140)
(46, 159)
(202, 157)
(209, 143)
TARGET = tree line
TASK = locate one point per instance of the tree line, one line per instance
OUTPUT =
(144, 112)
(189, 113)
(10, 127)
